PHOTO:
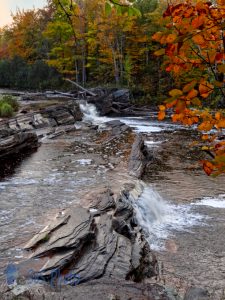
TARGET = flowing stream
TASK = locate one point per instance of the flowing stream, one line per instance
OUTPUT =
(182, 215)
(54, 177)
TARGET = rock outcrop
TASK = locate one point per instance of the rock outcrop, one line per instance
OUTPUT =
(111, 101)
(98, 242)
(95, 242)
(19, 134)
(96, 290)
(52, 116)
(12, 142)
(63, 114)
(137, 161)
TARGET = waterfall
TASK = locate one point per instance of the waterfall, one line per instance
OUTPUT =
(160, 219)
(89, 111)
(152, 208)
(91, 114)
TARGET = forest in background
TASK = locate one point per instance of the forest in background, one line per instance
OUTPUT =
(85, 42)
(156, 49)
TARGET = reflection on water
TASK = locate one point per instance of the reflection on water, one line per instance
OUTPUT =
(44, 182)
(53, 177)
(9, 165)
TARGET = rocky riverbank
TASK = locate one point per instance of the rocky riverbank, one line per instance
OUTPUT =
(51, 110)
(96, 247)
(192, 257)
(99, 238)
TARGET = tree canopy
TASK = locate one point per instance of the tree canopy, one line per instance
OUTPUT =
(193, 49)
(127, 43)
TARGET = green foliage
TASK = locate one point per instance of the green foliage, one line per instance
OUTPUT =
(128, 70)
(10, 100)
(6, 110)
(17, 73)
(146, 6)
(92, 42)
(8, 105)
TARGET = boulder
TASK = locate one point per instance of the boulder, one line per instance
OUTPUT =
(111, 100)
(116, 127)
(63, 114)
(14, 143)
(103, 104)
(108, 263)
(122, 95)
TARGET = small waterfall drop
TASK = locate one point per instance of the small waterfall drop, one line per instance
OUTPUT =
(160, 219)
(91, 114)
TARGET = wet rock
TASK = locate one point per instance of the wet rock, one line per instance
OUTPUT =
(137, 160)
(39, 121)
(122, 95)
(6, 131)
(64, 115)
(124, 206)
(103, 101)
(52, 116)
(111, 100)
(116, 126)
(195, 293)
(103, 244)
(101, 289)
(14, 143)
(121, 227)
(114, 123)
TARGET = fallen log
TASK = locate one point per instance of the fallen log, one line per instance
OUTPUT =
(69, 95)
(80, 87)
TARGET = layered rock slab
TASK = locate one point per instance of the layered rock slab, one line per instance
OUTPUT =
(96, 242)
(13, 143)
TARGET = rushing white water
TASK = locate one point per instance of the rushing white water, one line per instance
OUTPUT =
(160, 219)
(218, 202)
(142, 125)
(84, 161)
(91, 114)
(138, 124)
(153, 143)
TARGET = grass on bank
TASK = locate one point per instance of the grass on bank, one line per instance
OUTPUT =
(8, 106)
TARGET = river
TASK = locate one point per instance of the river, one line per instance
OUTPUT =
(183, 214)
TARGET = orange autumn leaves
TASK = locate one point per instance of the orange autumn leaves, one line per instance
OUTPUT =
(193, 48)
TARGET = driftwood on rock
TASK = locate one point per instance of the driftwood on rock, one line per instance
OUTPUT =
(47, 95)
(67, 95)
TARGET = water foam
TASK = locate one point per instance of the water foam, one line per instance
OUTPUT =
(84, 161)
(218, 202)
(141, 125)
(160, 219)
(91, 114)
